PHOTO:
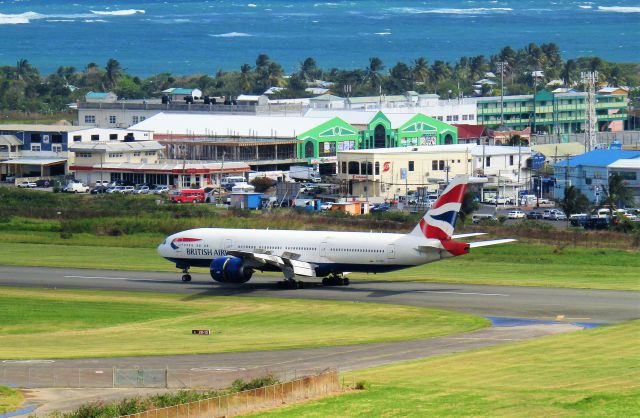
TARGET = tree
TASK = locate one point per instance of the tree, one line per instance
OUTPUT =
(440, 71)
(400, 78)
(245, 78)
(309, 70)
(25, 72)
(469, 205)
(420, 71)
(373, 72)
(574, 201)
(113, 71)
(616, 193)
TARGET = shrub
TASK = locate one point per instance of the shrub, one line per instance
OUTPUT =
(361, 385)
(240, 385)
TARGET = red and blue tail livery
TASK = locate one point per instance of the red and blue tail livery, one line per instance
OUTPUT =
(440, 221)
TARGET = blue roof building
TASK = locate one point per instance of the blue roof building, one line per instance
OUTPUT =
(589, 172)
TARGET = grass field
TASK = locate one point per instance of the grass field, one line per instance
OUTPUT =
(67, 324)
(594, 372)
(10, 399)
(512, 264)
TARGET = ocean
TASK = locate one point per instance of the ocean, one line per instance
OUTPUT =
(186, 37)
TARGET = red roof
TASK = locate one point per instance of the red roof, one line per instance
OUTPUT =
(466, 131)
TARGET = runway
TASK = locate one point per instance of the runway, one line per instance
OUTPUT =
(576, 305)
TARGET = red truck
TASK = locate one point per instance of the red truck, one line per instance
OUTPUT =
(188, 196)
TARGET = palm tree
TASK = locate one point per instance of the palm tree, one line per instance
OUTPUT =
(574, 201)
(569, 72)
(440, 71)
(245, 79)
(308, 69)
(113, 71)
(275, 74)
(616, 193)
(420, 70)
(373, 72)
(24, 70)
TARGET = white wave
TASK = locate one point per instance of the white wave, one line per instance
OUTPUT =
(252, 5)
(60, 20)
(382, 33)
(126, 12)
(585, 7)
(230, 35)
(19, 18)
(619, 9)
(448, 11)
(94, 21)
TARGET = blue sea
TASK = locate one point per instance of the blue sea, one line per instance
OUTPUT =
(185, 37)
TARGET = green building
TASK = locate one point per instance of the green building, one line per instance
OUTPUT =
(550, 112)
(363, 130)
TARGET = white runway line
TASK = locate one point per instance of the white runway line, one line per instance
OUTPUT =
(101, 277)
(461, 293)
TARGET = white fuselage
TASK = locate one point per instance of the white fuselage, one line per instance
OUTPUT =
(330, 250)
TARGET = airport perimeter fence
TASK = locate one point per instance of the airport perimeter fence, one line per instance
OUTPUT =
(22, 376)
(309, 387)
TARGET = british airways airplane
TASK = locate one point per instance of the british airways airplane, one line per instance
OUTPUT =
(233, 255)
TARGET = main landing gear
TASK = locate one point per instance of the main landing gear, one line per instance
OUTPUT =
(335, 280)
(186, 277)
(289, 281)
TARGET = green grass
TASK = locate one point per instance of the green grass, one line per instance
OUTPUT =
(70, 324)
(510, 264)
(10, 399)
(589, 373)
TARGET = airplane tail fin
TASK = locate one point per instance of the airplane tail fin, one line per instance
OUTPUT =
(440, 219)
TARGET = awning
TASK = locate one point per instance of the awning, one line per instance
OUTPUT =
(36, 161)
(11, 140)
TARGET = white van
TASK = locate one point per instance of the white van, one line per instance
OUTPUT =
(602, 213)
(228, 182)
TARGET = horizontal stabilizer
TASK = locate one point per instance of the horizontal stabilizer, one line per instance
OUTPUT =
(472, 234)
(492, 242)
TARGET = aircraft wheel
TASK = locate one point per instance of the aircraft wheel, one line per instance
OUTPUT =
(345, 281)
(300, 284)
(325, 281)
(186, 277)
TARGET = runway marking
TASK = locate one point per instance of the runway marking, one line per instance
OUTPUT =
(461, 293)
(217, 369)
(28, 361)
(101, 277)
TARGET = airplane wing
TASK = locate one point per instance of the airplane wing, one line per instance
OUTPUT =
(288, 260)
(473, 234)
(492, 242)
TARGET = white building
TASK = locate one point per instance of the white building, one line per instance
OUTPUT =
(391, 172)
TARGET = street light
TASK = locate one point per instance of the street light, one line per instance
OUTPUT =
(501, 66)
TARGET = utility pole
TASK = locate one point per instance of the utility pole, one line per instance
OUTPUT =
(590, 79)
(347, 92)
(501, 66)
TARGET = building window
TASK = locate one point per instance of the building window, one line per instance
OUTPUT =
(56, 148)
(465, 117)
(411, 165)
(56, 139)
(95, 137)
(587, 181)
(150, 153)
(440, 118)
(488, 162)
(441, 165)
(377, 168)
(449, 118)
(434, 165)
(89, 118)
(35, 147)
(36, 138)
(354, 167)
(471, 117)
(113, 137)
(142, 118)
(77, 138)
(455, 118)
(83, 155)
(511, 160)
(112, 119)
(135, 119)
(136, 154)
(115, 155)
(343, 168)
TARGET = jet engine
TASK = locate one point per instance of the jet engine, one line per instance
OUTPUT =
(230, 270)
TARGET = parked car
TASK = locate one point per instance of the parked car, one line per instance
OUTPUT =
(99, 190)
(188, 196)
(516, 214)
(116, 189)
(27, 185)
(142, 190)
(597, 223)
(557, 215)
(534, 214)
(161, 189)
(326, 206)
(578, 219)
(76, 188)
(102, 183)
(10, 178)
(381, 207)
(476, 218)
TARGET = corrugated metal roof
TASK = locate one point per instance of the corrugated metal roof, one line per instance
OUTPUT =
(23, 127)
(9, 140)
(633, 163)
(598, 158)
(266, 126)
(116, 146)
(35, 161)
(561, 150)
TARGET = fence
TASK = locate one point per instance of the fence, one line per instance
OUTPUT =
(46, 375)
(627, 138)
(322, 384)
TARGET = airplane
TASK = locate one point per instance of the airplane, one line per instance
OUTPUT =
(233, 255)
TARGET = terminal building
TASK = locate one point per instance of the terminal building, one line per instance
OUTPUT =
(393, 172)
